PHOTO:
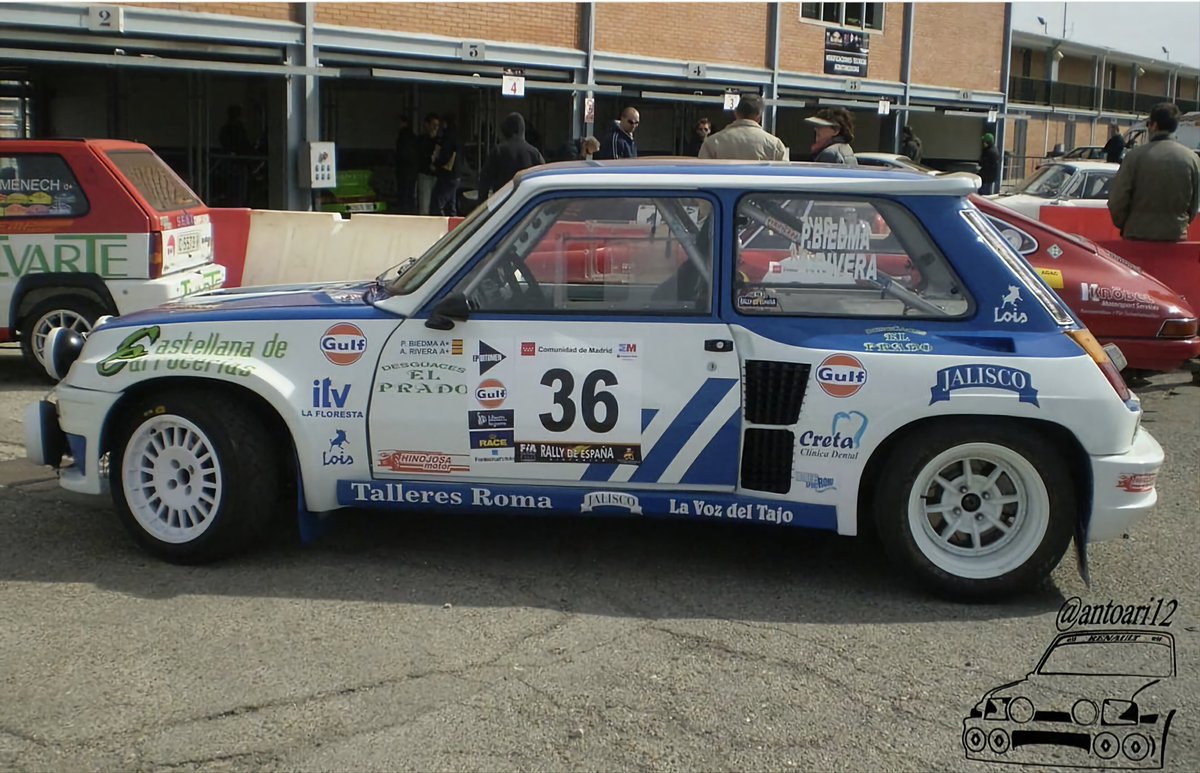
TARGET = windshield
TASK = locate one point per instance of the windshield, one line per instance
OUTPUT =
(1048, 182)
(409, 274)
(159, 186)
(1136, 655)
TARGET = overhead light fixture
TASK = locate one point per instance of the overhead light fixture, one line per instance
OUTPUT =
(1141, 71)
(1058, 55)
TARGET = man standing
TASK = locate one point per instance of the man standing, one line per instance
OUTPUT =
(447, 166)
(989, 164)
(700, 133)
(509, 157)
(1156, 193)
(407, 164)
(745, 138)
(910, 144)
(426, 151)
(619, 142)
(1114, 149)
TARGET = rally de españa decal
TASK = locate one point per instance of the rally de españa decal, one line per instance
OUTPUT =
(548, 500)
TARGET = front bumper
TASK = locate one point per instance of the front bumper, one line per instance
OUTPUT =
(73, 425)
(1123, 487)
(136, 294)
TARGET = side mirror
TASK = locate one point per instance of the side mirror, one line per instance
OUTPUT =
(450, 309)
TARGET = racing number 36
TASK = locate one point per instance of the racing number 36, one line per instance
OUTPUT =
(591, 397)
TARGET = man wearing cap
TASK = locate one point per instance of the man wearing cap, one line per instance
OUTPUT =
(834, 130)
(745, 138)
(989, 164)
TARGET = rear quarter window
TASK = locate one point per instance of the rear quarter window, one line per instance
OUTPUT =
(39, 185)
(154, 180)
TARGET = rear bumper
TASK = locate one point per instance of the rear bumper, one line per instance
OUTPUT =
(137, 294)
(1123, 487)
(1158, 354)
(72, 426)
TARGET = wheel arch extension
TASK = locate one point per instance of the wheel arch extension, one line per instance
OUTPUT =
(277, 426)
(1058, 435)
(34, 288)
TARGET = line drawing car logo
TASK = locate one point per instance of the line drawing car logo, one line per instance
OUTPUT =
(1091, 702)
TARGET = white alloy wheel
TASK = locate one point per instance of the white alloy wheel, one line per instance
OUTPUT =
(171, 478)
(978, 510)
(65, 317)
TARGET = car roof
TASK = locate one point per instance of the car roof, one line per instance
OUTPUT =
(690, 172)
(1086, 165)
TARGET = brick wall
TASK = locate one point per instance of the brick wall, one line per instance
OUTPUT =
(802, 43)
(734, 33)
(958, 44)
(1153, 83)
(276, 11)
(1075, 70)
(547, 24)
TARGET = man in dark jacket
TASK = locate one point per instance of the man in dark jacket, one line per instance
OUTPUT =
(700, 133)
(509, 157)
(989, 164)
(1155, 194)
(1114, 149)
(407, 165)
(447, 167)
(619, 142)
(910, 144)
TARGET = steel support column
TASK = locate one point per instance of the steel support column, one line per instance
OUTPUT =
(906, 54)
(773, 60)
(1005, 72)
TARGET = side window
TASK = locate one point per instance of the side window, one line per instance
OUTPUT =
(601, 255)
(800, 255)
(39, 185)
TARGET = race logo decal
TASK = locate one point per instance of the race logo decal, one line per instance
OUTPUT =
(491, 393)
(421, 462)
(598, 499)
(841, 375)
(1099, 698)
(343, 343)
(1137, 482)
(337, 450)
(983, 377)
(487, 358)
(1052, 277)
(490, 419)
(492, 439)
(579, 453)
(1008, 310)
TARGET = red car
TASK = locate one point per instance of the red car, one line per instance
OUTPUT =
(1153, 325)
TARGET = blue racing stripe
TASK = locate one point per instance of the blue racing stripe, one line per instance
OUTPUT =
(602, 472)
(717, 464)
(711, 392)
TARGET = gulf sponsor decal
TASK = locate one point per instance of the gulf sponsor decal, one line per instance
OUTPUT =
(841, 375)
(491, 393)
(434, 462)
(343, 343)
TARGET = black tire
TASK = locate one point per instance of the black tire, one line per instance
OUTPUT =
(68, 307)
(236, 463)
(1041, 525)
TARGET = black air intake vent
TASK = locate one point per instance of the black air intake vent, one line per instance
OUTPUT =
(767, 459)
(775, 391)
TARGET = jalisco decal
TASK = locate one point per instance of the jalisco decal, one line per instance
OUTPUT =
(1100, 698)
(844, 440)
(108, 255)
(998, 377)
(337, 450)
(329, 401)
(1137, 482)
(421, 462)
(841, 375)
(617, 503)
(897, 339)
(343, 343)
(1008, 310)
(213, 353)
(487, 358)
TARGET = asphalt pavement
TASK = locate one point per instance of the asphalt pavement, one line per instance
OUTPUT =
(445, 644)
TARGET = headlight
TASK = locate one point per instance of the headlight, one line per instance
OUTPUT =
(1020, 710)
(63, 347)
(1084, 712)
(1119, 712)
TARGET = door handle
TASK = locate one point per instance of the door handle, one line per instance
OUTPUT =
(718, 345)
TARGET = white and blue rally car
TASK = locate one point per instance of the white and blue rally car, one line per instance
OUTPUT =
(785, 344)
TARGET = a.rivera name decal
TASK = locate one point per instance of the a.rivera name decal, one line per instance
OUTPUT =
(616, 503)
(983, 377)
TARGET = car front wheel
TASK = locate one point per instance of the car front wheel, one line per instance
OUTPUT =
(978, 511)
(194, 477)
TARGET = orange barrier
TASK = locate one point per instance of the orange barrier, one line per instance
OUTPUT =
(231, 232)
(1175, 264)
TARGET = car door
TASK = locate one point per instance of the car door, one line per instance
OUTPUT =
(592, 353)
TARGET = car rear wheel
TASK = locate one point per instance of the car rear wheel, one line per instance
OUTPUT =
(194, 477)
(68, 311)
(978, 511)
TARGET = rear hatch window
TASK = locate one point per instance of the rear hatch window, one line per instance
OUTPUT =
(189, 242)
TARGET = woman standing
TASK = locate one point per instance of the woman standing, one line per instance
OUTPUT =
(834, 129)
